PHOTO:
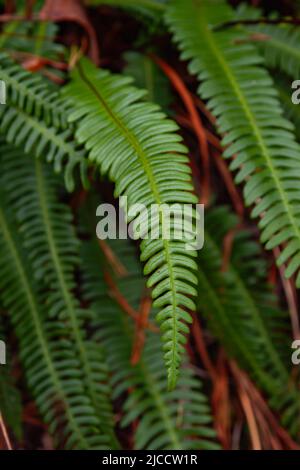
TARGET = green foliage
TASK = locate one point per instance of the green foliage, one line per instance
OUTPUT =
(51, 313)
(51, 368)
(147, 75)
(241, 95)
(120, 133)
(33, 39)
(280, 47)
(77, 308)
(22, 37)
(242, 312)
(36, 120)
(179, 419)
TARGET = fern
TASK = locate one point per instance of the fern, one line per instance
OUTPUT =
(47, 354)
(30, 92)
(120, 134)
(279, 44)
(280, 47)
(243, 313)
(243, 286)
(53, 251)
(241, 95)
(36, 120)
(166, 420)
(28, 39)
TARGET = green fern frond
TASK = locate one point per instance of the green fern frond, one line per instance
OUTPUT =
(48, 234)
(137, 146)
(244, 300)
(31, 38)
(30, 92)
(180, 419)
(280, 47)
(242, 97)
(35, 118)
(243, 313)
(52, 367)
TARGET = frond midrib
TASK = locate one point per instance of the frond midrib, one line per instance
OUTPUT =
(41, 189)
(284, 46)
(252, 121)
(24, 90)
(228, 327)
(169, 425)
(47, 132)
(259, 324)
(256, 130)
(148, 170)
(37, 324)
(255, 315)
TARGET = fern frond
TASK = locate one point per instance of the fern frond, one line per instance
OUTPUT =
(280, 47)
(244, 300)
(52, 367)
(49, 237)
(243, 313)
(35, 118)
(30, 92)
(180, 419)
(136, 145)
(242, 97)
(28, 37)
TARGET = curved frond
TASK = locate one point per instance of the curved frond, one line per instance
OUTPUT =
(30, 92)
(35, 118)
(52, 367)
(147, 75)
(280, 46)
(134, 143)
(49, 236)
(244, 315)
(241, 95)
(32, 39)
